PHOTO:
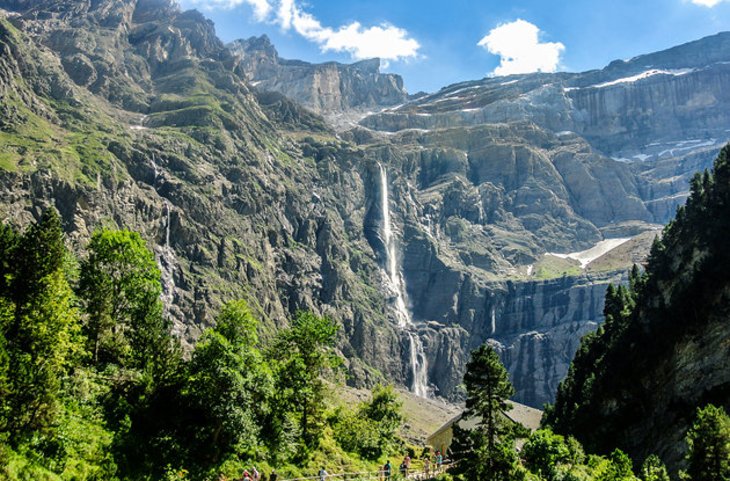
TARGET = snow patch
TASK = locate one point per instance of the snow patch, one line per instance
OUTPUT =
(642, 76)
(589, 255)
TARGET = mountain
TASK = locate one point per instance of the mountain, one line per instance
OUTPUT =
(664, 349)
(325, 88)
(134, 114)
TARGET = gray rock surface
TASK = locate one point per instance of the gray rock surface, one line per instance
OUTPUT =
(133, 114)
(325, 88)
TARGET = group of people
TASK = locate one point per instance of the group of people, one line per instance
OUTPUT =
(253, 475)
(431, 465)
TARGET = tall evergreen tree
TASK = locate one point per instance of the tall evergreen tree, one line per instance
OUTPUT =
(43, 333)
(708, 456)
(492, 454)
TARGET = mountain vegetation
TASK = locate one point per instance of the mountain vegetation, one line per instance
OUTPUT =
(93, 386)
(496, 448)
(663, 350)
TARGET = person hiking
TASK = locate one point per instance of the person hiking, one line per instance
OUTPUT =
(407, 463)
(255, 475)
(403, 470)
(427, 465)
(439, 461)
(386, 471)
(323, 474)
(273, 476)
(246, 476)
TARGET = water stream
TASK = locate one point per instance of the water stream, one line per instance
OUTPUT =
(396, 281)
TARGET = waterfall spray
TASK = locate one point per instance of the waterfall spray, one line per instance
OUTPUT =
(417, 356)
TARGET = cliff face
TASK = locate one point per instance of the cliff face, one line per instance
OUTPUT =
(133, 114)
(665, 350)
(325, 88)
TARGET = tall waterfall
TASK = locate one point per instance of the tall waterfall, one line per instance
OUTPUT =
(166, 259)
(417, 356)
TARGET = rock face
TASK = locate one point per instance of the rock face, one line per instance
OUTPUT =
(325, 88)
(133, 114)
(638, 384)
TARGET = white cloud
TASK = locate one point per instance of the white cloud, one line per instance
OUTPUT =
(385, 41)
(519, 47)
(261, 8)
(707, 3)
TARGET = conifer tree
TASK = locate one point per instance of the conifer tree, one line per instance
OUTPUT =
(708, 442)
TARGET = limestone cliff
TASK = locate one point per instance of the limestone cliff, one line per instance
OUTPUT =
(325, 88)
(133, 114)
(666, 348)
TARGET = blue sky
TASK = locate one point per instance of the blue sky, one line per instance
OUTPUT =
(436, 43)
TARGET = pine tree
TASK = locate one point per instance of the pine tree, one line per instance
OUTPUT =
(708, 442)
(42, 335)
(487, 390)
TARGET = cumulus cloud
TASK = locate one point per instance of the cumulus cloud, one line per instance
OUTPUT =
(385, 41)
(261, 8)
(707, 3)
(520, 50)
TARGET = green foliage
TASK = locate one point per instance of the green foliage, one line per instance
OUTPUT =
(120, 284)
(384, 409)
(618, 377)
(41, 335)
(545, 451)
(371, 430)
(653, 469)
(121, 403)
(487, 390)
(303, 354)
(228, 388)
(708, 440)
(488, 451)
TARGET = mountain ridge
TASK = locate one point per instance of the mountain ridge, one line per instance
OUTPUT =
(263, 199)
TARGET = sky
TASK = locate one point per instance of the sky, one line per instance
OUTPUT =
(435, 43)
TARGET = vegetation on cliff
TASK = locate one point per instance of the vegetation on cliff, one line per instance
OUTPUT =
(497, 449)
(662, 351)
(94, 386)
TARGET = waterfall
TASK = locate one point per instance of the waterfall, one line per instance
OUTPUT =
(168, 264)
(167, 224)
(166, 259)
(396, 282)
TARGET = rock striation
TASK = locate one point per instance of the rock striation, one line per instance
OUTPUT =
(134, 114)
(325, 88)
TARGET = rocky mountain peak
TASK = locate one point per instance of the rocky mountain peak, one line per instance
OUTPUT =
(330, 87)
(254, 44)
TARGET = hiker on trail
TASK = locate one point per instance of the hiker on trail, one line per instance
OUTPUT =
(386, 471)
(439, 461)
(427, 466)
(273, 476)
(407, 463)
(323, 474)
(403, 470)
(246, 476)
(255, 475)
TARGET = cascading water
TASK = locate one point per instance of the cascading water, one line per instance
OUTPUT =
(417, 356)
(166, 259)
